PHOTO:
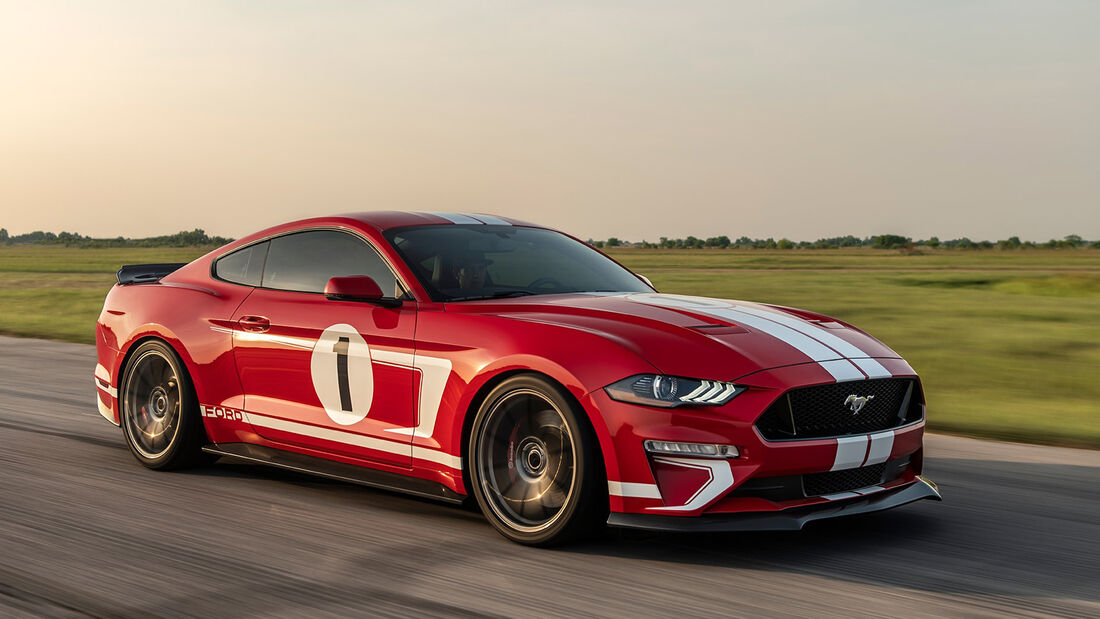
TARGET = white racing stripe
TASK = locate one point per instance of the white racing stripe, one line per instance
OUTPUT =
(434, 373)
(269, 338)
(881, 446)
(438, 457)
(829, 360)
(842, 370)
(858, 356)
(805, 344)
(489, 219)
(633, 490)
(850, 452)
(358, 440)
(872, 368)
(843, 360)
(456, 218)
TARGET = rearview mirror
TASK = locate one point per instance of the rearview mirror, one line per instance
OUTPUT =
(357, 288)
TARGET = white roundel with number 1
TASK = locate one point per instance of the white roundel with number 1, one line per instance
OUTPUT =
(343, 376)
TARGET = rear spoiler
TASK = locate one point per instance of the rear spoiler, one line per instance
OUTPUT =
(146, 273)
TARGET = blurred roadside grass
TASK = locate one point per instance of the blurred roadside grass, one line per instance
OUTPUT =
(1007, 343)
(57, 292)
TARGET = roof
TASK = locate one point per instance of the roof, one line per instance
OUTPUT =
(384, 220)
(381, 221)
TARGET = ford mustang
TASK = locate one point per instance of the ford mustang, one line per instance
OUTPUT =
(482, 359)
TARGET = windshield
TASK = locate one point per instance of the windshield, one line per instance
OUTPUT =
(469, 262)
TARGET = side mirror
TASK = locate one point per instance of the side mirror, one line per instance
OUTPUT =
(357, 288)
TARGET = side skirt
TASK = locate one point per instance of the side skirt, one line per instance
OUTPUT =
(331, 469)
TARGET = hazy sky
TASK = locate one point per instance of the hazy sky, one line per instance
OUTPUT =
(635, 119)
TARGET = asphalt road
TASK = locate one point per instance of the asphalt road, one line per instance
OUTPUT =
(85, 530)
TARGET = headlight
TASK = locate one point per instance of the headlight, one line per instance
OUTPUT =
(672, 391)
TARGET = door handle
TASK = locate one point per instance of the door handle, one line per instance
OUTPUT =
(255, 324)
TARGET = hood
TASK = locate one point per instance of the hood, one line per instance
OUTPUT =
(702, 337)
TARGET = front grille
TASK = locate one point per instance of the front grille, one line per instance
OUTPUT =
(817, 484)
(821, 411)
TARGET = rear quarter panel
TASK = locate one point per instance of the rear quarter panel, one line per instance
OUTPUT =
(188, 310)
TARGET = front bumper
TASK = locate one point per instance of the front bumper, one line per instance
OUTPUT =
(787, 520)
(681, 486)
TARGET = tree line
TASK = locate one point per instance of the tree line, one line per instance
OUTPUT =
(70, 239)
(882, 241)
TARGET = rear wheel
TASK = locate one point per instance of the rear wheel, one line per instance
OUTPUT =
(159, 412)
(535, 466)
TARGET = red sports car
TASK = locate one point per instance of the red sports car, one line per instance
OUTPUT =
(450, 355)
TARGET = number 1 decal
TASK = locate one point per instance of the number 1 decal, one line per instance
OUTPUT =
(343, 374)
(341, 350)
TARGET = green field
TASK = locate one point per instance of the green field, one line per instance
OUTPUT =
(1008, 343)
(57, 292)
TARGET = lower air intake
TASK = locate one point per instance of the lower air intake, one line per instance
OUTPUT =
(817, 484)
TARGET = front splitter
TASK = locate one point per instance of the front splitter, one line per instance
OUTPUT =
(787, 520)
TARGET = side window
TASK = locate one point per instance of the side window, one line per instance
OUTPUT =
(244, 266)
(305, 261)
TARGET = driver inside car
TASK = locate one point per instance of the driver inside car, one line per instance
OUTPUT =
(472, 273)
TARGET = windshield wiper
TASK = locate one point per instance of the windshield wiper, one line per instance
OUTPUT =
(504, 294)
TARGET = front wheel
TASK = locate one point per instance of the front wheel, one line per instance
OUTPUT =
(159, 413)
(535, 464)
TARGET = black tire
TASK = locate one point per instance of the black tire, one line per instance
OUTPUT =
(158, 410)
(535, 465)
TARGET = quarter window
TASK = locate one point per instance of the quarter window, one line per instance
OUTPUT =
(244, 266)
(305, 261)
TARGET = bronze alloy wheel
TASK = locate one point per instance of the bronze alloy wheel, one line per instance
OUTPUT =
(525, 460)
(159, 414)
(533, 460)
(152, 408)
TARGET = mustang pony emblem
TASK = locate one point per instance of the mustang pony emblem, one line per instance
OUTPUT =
(856, 403)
